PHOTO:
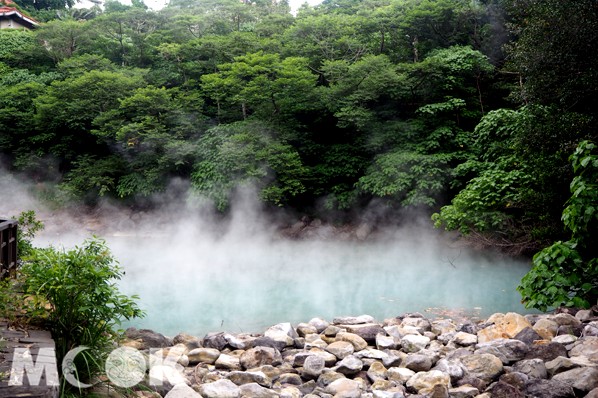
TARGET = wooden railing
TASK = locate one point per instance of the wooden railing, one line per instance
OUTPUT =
(8, 247)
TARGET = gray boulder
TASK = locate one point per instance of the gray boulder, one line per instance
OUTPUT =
(534, 368)
(223, 388)
(254, 390)
(349, 365)
(542, 388)
(483, 366)
(313, 367)
(581, 379)
(258, 356)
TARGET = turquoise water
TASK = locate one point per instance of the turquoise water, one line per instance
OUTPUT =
(245, 283)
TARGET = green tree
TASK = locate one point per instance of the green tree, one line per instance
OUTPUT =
(152, 128)
(517, 184)
(221, 16)
(408, 178)
(62, 39)
(262, 85)
(21, 50)
(124, 37)
(67, 110)
(203, 55)
(322, 37)
(18, 131)
(553, 52)
(247, 153)
(74, 292)
(356, 91)
(46, 4)
(566, 273)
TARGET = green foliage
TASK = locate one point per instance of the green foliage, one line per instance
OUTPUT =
(74, 292)
(74, 103)
(261, 84)
(431, 24)
(124, 37)
(359, 99)
(17, 112)
(246, 152)
(454, 73)
(17, 76)
(553, 53)
(79, 65)
(46, 4)
(327, 37)
(28, 226)
(334, 176)
(151, 127)
(581, 214)
(66, 111)
(566, 273)
(488, 201)
(516, 157)
(62, 39)
(91, 177)
(556, 279)
(356, 89)
(15, 43)
(409, 178)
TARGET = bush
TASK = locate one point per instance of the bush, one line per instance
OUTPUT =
(74, 294)
(566, 273)
(28, 226)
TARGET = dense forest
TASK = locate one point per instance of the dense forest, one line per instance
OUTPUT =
(466, 110)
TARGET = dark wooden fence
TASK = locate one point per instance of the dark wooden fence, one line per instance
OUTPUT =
(8, 247)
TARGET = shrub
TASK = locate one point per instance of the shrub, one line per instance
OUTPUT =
(74, 293)
(566, 273)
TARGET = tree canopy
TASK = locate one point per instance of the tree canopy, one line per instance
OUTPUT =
(465, 110)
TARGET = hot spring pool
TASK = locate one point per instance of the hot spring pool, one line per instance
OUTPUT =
(246, 283)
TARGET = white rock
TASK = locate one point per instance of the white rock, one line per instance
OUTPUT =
(319, 323)
(421, 324)
(341, 349)
(182, 391)
(399, 331)
(313, 366)
(353, 320)
(223, 388)
(290, 392)
(546, 328)
(228, 362)
(465, 339)
(350, 365)
(314, 340)
(282, 332)
(344, 386)
(254, 390)
(371, 353)
(565, 339)
(442, 326)
(400, 375)
(424, 382)
(203, 355)
(414, 343)
(384, 342)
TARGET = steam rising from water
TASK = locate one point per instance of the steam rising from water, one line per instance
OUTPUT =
(247, 284)
(195, 274)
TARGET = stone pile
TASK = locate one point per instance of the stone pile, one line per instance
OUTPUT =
(505, 356)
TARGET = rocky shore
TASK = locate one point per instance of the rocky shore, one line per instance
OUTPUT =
(505, 356)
